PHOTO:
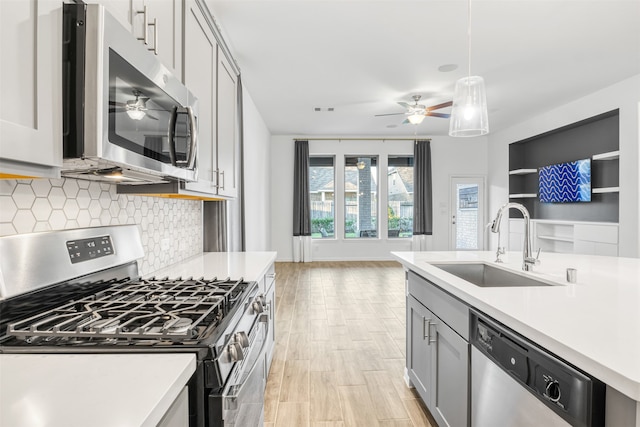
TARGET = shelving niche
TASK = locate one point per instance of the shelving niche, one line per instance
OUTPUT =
(589, 238)
(581, 227)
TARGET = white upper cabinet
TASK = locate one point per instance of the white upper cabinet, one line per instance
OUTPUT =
(156, 23)
(30, 88)
(164, 32)
(200, 62)
(210, 77)
(227, 125)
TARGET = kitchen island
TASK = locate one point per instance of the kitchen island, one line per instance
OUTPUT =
(593, 324)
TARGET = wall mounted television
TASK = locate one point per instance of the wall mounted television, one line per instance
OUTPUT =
(565, 182)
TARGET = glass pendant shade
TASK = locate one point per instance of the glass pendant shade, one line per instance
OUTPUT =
(415, 118)
(469, 112)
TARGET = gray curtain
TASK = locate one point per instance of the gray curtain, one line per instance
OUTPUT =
(422, 194)
(301, 200)
(214, 222)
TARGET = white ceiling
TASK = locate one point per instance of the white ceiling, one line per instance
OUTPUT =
(360, 57)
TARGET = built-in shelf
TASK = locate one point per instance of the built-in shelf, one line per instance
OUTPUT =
(611, 155)
(523, 171)
(606, 190)
(523, 196)
(556, 238)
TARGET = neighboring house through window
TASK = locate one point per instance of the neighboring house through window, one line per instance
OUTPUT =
(322, 195)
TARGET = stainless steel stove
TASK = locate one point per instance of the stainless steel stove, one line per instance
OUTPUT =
(77, 291)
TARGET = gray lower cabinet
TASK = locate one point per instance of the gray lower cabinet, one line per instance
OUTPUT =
(437, 355)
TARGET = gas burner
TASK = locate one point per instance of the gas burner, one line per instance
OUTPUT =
(104, 326)
(177, 326)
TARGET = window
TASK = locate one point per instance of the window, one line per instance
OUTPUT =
(400, 196)
(360, 197)
(321, 189)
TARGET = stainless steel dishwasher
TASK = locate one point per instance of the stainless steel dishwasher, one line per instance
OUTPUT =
(516, 383)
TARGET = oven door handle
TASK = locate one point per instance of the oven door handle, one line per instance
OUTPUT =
(237, 389)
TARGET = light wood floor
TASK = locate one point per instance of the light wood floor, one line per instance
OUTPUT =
(340, 348)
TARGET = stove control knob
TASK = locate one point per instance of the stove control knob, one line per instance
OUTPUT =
(234, 350)
(553, 391)
(242, 339)
(257, 306)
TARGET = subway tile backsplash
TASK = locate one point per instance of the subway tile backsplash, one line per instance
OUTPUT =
(170, 229)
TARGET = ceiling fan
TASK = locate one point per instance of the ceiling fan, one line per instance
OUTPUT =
(417, 112)
(135, 108)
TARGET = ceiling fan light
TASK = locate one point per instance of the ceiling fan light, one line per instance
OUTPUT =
(469, 112)
(136, 114)
(415, 118)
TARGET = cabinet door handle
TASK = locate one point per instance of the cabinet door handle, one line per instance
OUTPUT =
(145, 24)
(222, 174)
(155, 35)
(434, 339)
(425, 329)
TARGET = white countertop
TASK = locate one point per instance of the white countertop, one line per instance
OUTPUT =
(250, 266)
(68, 390)
(594, 323)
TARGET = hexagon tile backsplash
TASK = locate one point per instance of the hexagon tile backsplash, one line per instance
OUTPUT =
(170, 229)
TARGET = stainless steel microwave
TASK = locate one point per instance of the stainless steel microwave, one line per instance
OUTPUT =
(127, 118)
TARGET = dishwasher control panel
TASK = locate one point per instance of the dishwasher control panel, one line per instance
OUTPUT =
(571, 393)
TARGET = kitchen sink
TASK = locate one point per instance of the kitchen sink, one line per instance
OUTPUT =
(487, 276)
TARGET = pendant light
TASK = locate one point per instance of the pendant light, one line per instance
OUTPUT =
(469, 113)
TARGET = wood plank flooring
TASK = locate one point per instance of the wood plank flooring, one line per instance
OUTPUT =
(340, 346)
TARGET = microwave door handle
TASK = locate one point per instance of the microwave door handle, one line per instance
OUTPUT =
(172, 136)
(193, 146)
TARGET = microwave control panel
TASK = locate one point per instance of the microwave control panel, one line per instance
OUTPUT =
(88, 249)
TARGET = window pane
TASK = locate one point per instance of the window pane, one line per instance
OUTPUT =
(321, 189)
(400, 197)
(467, 216)
(361, 197)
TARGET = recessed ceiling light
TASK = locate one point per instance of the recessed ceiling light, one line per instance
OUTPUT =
(323, 109)
(392, 126)
(447, 68)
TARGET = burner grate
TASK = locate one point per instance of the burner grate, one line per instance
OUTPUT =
(143, 310)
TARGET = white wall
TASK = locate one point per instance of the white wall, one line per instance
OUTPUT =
(256, 178)
(624, 96)
(450, 157)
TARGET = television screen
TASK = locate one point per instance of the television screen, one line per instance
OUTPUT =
(566, 182)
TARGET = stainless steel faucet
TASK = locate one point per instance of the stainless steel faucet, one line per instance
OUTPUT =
(527, 260)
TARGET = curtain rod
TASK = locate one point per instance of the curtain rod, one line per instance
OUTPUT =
(362, 139)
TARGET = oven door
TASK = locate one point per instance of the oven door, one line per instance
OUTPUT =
(243, 396)
(137, 112)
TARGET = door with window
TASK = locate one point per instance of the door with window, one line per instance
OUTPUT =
(467, 213)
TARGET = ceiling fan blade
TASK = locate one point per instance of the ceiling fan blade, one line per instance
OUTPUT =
(439, 106)
(151, 117)
(117, 104)
(404, 104)
(390, 114)
(405, 121)
(444, 116)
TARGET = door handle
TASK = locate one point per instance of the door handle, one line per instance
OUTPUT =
(145, 25)
(426, 331)
(193, 146)
(453, 219)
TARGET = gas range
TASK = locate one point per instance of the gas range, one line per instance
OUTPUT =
(155, 312)
(78, 291)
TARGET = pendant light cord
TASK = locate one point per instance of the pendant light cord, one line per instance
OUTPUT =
(469, 40)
